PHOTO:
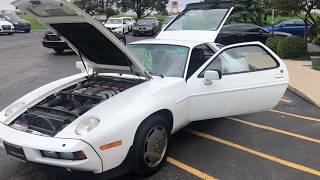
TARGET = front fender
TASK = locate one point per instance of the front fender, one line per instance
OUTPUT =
(121, 115)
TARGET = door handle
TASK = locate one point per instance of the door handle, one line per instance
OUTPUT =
(279, 76)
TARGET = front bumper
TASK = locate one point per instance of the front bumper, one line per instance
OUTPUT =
(143, 32)
(120, 31)
(32, 144)
(7, 31)
(55, 44)
(22, 27)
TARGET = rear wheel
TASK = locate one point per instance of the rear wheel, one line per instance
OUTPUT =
(150, 145)
(10, 33)
(27, 31)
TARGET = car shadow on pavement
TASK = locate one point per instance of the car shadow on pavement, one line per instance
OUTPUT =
(44, 172)
(66, 53)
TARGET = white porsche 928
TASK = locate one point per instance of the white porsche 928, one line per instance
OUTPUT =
(118, 115)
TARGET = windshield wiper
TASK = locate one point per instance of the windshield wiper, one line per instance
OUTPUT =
(157, 74)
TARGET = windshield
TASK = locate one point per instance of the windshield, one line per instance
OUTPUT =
(161, 59)
(12, 17)
(145, 21)
(114, 21)
(203, 19)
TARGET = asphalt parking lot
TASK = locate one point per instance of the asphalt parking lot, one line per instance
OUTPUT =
(280, 144)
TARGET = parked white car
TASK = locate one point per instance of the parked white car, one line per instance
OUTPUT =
(118, 25)
(6, 27)
(130, 21)
(119, 114)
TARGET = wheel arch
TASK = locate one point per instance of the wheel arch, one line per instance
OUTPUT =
(164, 112)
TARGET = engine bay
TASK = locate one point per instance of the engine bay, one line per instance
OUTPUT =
(58, 110)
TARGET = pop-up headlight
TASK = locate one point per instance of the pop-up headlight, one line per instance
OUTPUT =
(87, 125)
(14, 108)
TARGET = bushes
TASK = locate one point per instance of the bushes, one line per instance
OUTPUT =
(292, 47)
(289, 47)
(317, 40)
(272, 43)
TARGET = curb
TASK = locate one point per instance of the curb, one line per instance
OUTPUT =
(302, 95)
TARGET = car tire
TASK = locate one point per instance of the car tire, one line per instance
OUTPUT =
(124, 41)
(27, 31)
(58, 50)
(151, 145)
(10, 33)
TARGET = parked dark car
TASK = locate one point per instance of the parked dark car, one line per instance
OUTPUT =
(52, 41)
(18, 23)
(243, 32)
(293, 26)
(146, 26)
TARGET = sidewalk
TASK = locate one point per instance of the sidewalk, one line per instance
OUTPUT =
(304, 80)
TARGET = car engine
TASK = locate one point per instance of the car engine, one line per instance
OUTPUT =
(58, 110)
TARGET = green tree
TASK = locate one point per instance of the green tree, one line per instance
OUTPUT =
(247, 11)
(88, 5)
(98, 6)
(143, 7)
(251, 11)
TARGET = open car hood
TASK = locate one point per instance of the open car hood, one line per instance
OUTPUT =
(86, 36)
(198, 22)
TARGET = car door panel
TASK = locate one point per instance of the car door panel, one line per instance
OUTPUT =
(237, 93)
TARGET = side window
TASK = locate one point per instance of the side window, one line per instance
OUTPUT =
(199, 56)
(289, 23)
(242, 59)
(256, 29)
(299, 23)
(242, 28)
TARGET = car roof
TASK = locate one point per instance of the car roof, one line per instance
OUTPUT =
(189, 44)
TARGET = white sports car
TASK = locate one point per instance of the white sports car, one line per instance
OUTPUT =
(119, 114)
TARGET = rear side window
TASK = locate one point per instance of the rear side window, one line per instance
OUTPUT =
(241, 60)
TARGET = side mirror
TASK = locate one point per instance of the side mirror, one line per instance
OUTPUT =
(211, 75)
(79, 65)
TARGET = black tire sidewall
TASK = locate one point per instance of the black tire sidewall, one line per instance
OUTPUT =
(139, 166)
(58, 50)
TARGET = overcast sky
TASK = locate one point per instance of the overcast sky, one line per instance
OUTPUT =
(5, 4)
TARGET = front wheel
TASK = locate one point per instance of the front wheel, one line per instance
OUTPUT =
(58, 50)
(150, 145)
(124, 41)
